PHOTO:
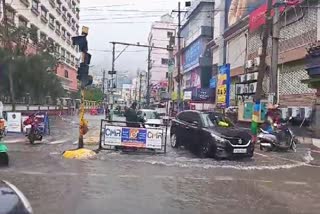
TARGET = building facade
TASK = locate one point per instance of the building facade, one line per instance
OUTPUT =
(197, 32)
(159, 36)
(55, 21)
(241, 48)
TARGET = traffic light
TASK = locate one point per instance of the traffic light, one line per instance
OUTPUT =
(86, 58)
(81, 41)
(83, 70)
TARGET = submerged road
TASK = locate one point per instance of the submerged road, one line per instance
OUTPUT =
(177, 182)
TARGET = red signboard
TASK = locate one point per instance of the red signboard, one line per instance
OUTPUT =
(258, 16)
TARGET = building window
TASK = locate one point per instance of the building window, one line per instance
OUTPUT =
(58, 26)
(22, 22)
(169, 34)
(63, 33)
(63, 54)
(35, 5)
(164, 61)
(33, 33)
(44, 12)
(66, 74)
(10, 16)
(43, 37)
(51, 22)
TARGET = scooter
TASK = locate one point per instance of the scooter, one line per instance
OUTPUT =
(283, 139)
(33, 132)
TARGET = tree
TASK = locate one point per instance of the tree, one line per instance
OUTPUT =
(22, 73)
(93, 94)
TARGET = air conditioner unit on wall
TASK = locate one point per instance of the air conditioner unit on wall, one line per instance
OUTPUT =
(252, 76)
(249, 64)
(249, 77)
(257, 61)
(243, 78)
(255, 76)
(239, 89)
(252, 87)
(245, 89)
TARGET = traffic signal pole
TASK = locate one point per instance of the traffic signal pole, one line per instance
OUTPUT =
(112, 72)
(84, 78)
(149, 60)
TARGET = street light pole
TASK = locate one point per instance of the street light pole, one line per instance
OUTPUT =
(112, 72)
(148, 75)
(178, 55)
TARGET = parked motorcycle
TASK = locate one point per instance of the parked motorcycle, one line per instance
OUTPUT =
(282, 139)
(33, 132)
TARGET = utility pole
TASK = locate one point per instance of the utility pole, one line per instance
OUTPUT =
(150, 48)
(136, 88)
(140, 88)
(179, 55)
(112, 73)
(261, 72)
(275, 54)
(263, 64)
(103, 83)
(148, 76)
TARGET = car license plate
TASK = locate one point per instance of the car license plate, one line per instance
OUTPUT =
(240, 151)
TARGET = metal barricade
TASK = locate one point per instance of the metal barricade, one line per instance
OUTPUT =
(148, 137)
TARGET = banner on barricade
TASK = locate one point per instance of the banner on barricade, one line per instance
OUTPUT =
(133, 137)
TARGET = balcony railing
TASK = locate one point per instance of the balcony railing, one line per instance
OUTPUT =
(52, 3)
(58, 10)
(35, 11)
(51, 25)
(58, 32)
(25, 2)
(64, 17)
(44, 19)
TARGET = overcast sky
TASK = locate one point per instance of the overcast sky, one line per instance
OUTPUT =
(124, 21)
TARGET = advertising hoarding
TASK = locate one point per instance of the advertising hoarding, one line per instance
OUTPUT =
(192, 54)
(14, 122)
(133, 137)
(223, 86)
(238, 9)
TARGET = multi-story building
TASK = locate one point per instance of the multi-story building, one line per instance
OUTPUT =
(196, 33)
(240, 46)
(126, 94)
(55, 21)
(159, 36)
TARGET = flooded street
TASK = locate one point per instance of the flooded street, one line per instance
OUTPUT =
(176, 182)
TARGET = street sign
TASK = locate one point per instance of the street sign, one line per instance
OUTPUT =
(112, 72)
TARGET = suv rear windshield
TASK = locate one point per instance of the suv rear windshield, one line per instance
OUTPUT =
(148, 114)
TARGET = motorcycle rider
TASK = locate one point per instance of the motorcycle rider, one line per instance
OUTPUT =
(272, 118)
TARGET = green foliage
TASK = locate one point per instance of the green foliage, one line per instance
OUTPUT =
(32, 75)
(93, 94)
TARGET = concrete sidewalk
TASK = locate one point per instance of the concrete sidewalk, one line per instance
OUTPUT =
(310, 141)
